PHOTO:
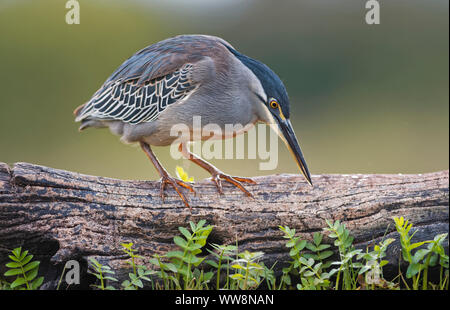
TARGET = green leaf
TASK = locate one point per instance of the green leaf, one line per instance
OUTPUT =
(200, 224)
(317, 267)
(412, 270)
(95, 262)
(212, 263)
(322, 247)
(332, 235)
(417, 244)
(325, 254)
(290, 243)
(364, 269)
(13, 258)
(301, 244)
(36, 283)
(294, 251)
(26, 259)
(193, 226)
(185, 232)
(97, 275)
(348, 241)
(16, 252)
(237, 276)
(138, 283)
(317, 237)
(128, 246)
(308, 273)
(440, 237)
(13, 272)
(192, 259)
(18, 282)
(140, 271)
(31, 265)
(108, 271)
(13, 265)
(433, 260)
(311, 247)
(180, 242)
(419, 255)
(195, 248)
(383, 263)
(31, 275)
(208, 276)
(177, 254)
(154, 261)
(171, 267)
(23, 254)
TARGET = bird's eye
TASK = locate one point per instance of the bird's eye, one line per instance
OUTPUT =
(273, 104)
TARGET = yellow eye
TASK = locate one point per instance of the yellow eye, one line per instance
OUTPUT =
(273, 104)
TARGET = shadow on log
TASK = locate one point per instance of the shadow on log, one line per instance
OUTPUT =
(60, 215)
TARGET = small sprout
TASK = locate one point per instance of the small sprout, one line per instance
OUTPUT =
(183, 176)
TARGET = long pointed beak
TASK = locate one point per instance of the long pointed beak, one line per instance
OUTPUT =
(292, 143)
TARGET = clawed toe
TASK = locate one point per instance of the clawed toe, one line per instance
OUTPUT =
(178, 185)
(236, 181)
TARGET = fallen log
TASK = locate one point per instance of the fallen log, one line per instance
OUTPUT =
(60, 215)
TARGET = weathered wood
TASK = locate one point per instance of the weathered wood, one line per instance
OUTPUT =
(61, 215)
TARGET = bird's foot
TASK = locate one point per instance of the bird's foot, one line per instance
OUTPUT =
(178, 185)
(218, 176)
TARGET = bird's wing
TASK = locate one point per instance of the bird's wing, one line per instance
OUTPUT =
(150, 80)
(134, 103)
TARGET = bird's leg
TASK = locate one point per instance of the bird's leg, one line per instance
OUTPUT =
(216, 175)
(165, 177)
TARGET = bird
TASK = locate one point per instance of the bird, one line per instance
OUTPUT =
(173, 80)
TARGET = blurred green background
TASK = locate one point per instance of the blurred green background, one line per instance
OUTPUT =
(365, 99)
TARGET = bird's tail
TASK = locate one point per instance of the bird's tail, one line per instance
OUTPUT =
(85, 120)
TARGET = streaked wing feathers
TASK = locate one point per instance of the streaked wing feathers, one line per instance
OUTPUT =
(133, 102)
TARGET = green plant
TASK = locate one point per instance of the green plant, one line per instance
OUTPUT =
(140, 272)
(183, 262)
(372, 269)
(167, 273)
(223, 254)
(102, 273)
(4, 285)
(248, 272)
(24, 269)
(319, 250)
(344, 243)
(414, 268)
(423, 258)
(309, 266)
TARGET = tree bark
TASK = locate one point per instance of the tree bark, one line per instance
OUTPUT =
(60, 215)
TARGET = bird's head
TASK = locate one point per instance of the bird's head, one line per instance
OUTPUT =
(277, 107)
